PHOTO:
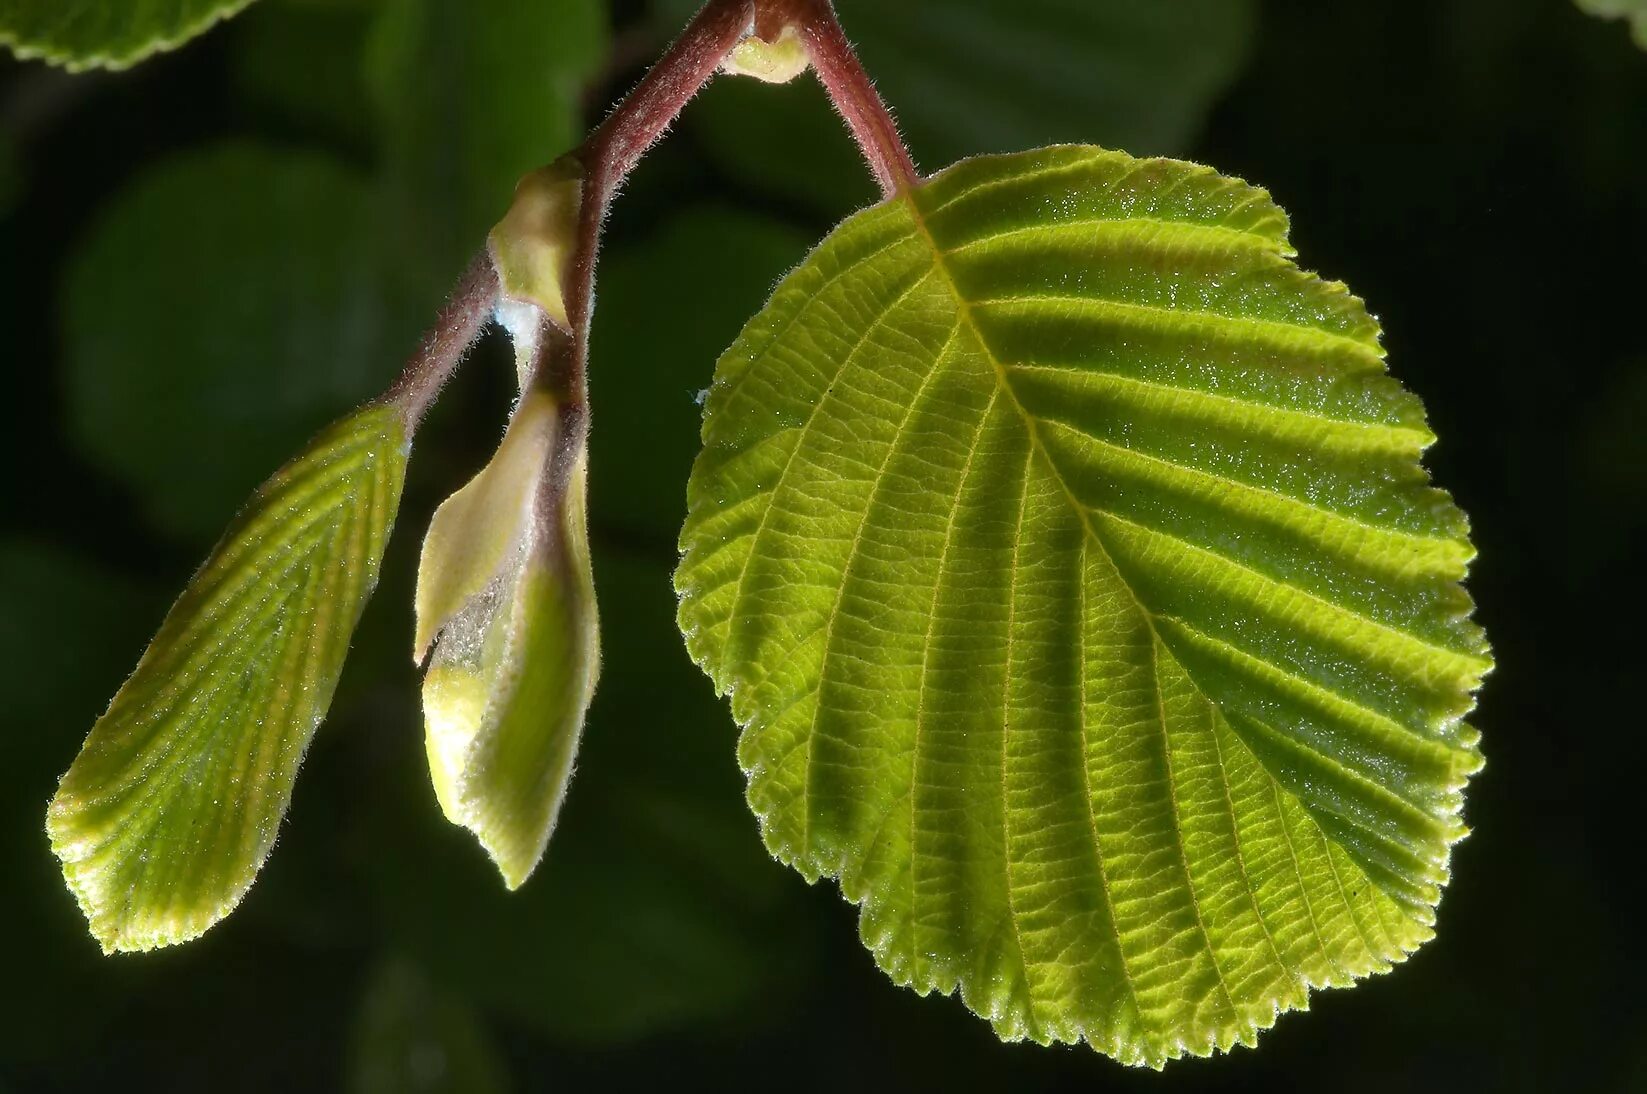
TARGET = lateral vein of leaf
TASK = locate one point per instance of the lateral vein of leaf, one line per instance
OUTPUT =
(1152, 318)
(1006, 734)
(724, 397)
(846, 571)
(926, 666)
(1394, 802)
(789, 464)
(1394, 552)
(172, 715)
(1177, 826)
(1303, 884)
(1458, 664)
(1213, 238)
(1358, 437)
(1235, 833)
(1086, 163)
(1346, 711)
(227, 576)
(1344, 895)
(1111, 913)
(218, 603)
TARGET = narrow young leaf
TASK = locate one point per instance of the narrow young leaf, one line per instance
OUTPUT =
(506, 591)
(173, 803)
(82, 34)
(1066, 554)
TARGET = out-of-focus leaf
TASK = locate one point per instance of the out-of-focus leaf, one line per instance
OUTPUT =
(1633, 10)
(506, 590)
(301, 60)
(413, 1038)
(971, 76)
(1065, 551)
(81, 34)
(648, 375)
(472, 96)
(225, 303)
(167, 814)
(655, 908)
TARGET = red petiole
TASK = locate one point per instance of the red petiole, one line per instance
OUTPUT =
(619, 143)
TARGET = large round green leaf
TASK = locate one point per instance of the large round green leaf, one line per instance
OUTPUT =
(1065, 551)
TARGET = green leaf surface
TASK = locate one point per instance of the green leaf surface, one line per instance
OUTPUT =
(1066, 553)
(224, 303)
(82, 34)
(1633, 10)
(970, 76)
(301, 62)
(167, 814)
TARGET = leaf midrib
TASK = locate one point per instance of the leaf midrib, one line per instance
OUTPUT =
(1004, 384)
(964, 308)
(1037, 447)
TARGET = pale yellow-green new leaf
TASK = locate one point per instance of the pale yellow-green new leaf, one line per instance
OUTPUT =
(1065, 551)
(506, 591)
(166, 815)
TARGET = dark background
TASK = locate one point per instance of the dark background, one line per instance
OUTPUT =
(207, 258)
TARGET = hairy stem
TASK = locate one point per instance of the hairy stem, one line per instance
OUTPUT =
(853, 93)
(611, 152)
(455, 329)
(614, 148)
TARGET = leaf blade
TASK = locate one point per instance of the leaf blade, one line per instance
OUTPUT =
(511, 597)
(978, 729)
(82, 34)
(163, 820)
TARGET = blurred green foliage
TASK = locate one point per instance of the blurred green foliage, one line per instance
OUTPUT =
(413, 1038)
(255, 229)
(226, 302)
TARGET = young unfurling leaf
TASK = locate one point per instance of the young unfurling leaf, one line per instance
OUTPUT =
(171, 807)
(506, 593)
(532, 246)
(774, 62)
